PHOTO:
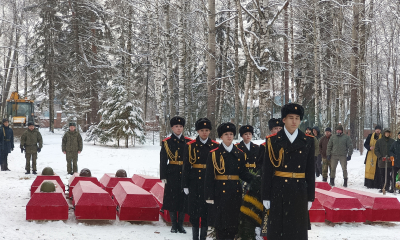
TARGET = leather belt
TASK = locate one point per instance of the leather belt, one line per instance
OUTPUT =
(250, 165)
(176, 162)
(290, 174)
(227, 177)
(199, 165)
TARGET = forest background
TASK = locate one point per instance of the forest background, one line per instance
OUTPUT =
(116, 65)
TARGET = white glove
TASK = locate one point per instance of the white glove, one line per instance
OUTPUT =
(210, 201)
(309, 205)
(267, 204)
(186, 190)
(164, 181)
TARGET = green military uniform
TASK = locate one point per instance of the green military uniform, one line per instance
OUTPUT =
(31, 141)
(72, 144)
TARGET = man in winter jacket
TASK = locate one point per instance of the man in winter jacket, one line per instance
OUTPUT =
(382, 149)
(395, 156)
(31, 143)
(318, 158)
(340, 150)
(71, 147)
(7, 146)
(323, 146)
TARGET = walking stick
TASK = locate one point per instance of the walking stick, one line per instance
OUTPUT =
(393, 176)
(384, 186)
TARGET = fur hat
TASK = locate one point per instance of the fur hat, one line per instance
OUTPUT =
(31, 124)
(177, 121)
(292, 108)
(378, 127)
(203, 123)
(387, 130)
(328, 129)
(72, 124)
(275, 122)
(5, 120)
(226, 127)
(246, 128)
(339, 127)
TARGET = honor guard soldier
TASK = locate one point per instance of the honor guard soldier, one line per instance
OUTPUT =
(171, 161)
(225, 167)
(274, 125)
(31, 143)
(288, 178)
(248, 147)
(71, 147)
(194, 172)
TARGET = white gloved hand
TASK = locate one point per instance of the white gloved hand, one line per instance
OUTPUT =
(210, 201)
(267, 204)
(186, 190)
(164, 181)
(309, 205)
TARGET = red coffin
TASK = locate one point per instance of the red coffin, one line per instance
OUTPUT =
(134, 203)
(317, 212)
(47, 206)
(339, 207)
(144, 181)
(323, 185)
(379, 208)
(76, 178)
(109, 181)
(158, 192)
(92, 203)
(40, 178)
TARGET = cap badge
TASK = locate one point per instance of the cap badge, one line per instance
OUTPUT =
(295, 108)
(227, 126)
(247, 127)
(205, 124)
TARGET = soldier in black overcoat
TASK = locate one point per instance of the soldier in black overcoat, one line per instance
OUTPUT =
(7, 144)
(225, 167)
(274, 125)
(194, 172)
(248, 147)
(171, 163)
(288, 178)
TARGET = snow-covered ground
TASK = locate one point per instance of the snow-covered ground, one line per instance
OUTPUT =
(142, 159)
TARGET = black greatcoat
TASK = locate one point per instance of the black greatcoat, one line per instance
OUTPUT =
(174, 197)
(288, 218)
(7, 144)
(227, 195)
(193, 178)
(376, 183)
(251, 154)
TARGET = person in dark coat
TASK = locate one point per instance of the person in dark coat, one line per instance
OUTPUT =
(274, 125)
(323, 147)
(171, 161)
(395, 157)
(248, 147)
(7, 144)
(194, 171)
(223, 191)
(371, 172)
(382, 149)
(318, 158)
(288, 178)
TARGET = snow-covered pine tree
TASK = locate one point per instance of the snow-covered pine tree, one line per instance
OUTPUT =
(121, 116)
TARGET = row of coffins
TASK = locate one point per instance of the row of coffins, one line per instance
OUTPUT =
(140, 198)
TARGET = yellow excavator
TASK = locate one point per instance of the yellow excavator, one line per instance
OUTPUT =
(20, 112)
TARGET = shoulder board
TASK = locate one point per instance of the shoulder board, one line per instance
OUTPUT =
(309, 135)
(193, 141)
(264, 144)
(215, 142)
(187, 138)
(166, 139)
(215, 149)
(240, 149)
(271, 135)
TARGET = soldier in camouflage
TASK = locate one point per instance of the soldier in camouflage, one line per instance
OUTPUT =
(31, 143)
(71, 147)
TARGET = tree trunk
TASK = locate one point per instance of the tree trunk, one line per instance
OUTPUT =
(172, 110)
(211, 85)
(316, 63)
(181, 53)
(354, 73)
(237, 100)
(286, 54)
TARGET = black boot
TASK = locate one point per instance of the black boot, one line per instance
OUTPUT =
(324, 179)
(332, 183)
(28, 172)
(181, 218)
(345, 182)
(34, 172)
(203, 233)
(195, 232)
(173, 216)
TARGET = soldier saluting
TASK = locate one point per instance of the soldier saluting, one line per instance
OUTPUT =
(171, 161)
(248, 147)
(225, 167)
(288, 179)
(194, 171)
(31, 143)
